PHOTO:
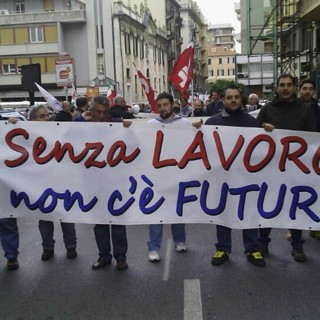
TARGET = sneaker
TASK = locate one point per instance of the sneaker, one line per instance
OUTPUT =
(71, 253)
(12, 264)
(219, 257)
(181, 247)
(289, 235)
(100, 263)
(47, 255)
(299, 255)
(256, 258)
(122, 265)
(154, 256)
(264, 251)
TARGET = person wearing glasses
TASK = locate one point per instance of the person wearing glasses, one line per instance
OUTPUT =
(46, 228)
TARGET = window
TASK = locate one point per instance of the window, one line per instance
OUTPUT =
(20, 7)
(141, 49)
(36, 34)
(220, 72)
(220, 61)
(135, 46)
(128, 73)
(9, 68)
(136, 84)
(154, 54)
(159, 56)
(209, 61)
(230, 60)
(210, 73)
(230, 72)
(127, 46)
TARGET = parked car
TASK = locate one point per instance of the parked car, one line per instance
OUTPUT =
(13, 114)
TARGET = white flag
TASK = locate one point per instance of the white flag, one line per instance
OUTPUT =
(53, 102)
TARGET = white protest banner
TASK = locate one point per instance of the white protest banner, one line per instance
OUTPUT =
(104, 173)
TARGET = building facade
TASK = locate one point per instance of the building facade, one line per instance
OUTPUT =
(221, 52)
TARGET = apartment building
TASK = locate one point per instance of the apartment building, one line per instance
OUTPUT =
(221, 52)
(101, 42)
(255, 66)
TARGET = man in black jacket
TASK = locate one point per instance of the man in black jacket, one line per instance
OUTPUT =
(233, 115)
(64, 114)
(306, 91)
(286, 111)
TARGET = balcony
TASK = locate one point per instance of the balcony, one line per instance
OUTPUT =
(43, 17)
(310, 10)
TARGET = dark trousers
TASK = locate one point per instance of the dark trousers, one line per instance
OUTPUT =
(119, 241)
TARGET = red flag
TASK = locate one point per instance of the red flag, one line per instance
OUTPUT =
(150, 92)
(111, 94)
(182, 72)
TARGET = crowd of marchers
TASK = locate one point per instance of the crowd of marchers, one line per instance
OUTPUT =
(291, 108)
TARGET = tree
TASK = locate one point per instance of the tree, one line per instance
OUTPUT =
(221, 84)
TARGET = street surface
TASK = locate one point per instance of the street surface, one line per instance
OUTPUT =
(183, 286)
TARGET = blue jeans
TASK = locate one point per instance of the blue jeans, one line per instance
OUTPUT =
(68, 230)
(296, 238)
(249, 236)
(9, 237)
(155, 235)
(119, 241)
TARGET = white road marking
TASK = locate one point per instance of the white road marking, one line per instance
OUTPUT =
(192, 300)
(167, 261)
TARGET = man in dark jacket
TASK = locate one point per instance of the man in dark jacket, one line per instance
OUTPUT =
(216, 104)
(306, 91)
(64, 114)
(119, 110)
(233, 115)
(106, 234)
(285, 111)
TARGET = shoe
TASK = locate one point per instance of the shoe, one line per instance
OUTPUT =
(12, 264)
(71, 253)
(47, 255)
(256, 258)
(100, 263)
(181, 247)
(289, 236)
(299, 255)
(264, 251)
(122, 265)
(219, 257)
(315, 234)
(154, 256)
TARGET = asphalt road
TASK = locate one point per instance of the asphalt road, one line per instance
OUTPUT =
(181, 287)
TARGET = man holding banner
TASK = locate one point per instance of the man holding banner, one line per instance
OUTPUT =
(99, 112)
(166, 116)
(285, 111)
(233, 115)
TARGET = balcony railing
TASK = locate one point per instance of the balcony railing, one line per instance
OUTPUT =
(66, 16)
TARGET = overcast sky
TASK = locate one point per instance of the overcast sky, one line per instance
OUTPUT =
(219, 11)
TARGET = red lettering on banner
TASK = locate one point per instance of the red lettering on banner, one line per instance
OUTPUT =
(24, 153)
(315, 162)
(294, 156)
(59, 151)
(121, 146)
(268, 157)
(226, 163)
(191, 155)
(157, 163)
